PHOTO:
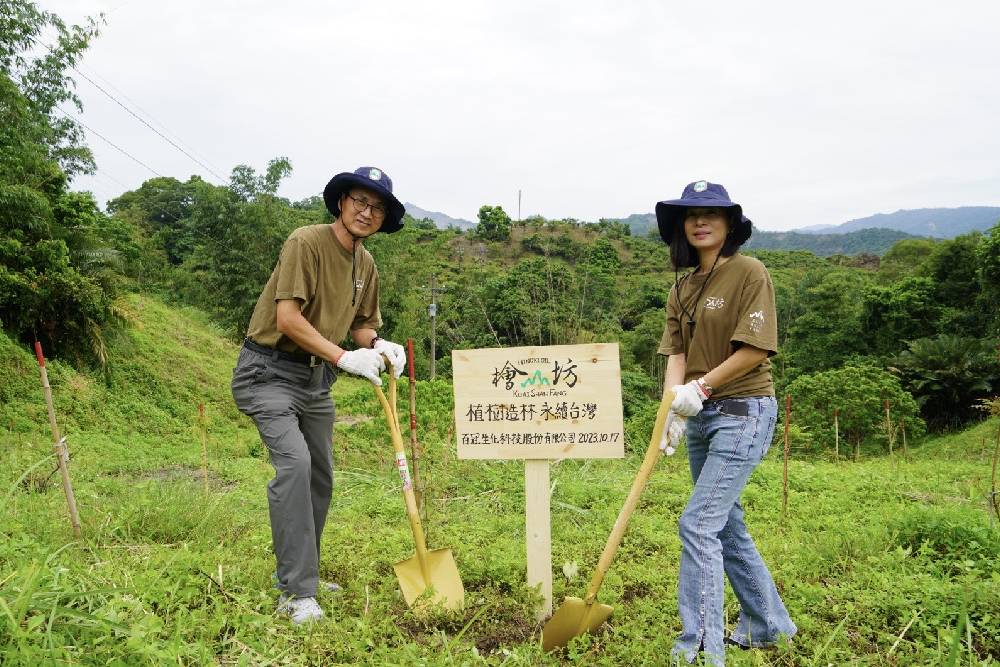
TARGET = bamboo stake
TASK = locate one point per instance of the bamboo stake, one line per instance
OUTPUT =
(203, 428)
(418, 487)
(902, 428)
(58, 443)
(836, 435)
(994, 494)
(888, 425)
(788, 418)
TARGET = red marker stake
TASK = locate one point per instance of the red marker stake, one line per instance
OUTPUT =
(58, 443)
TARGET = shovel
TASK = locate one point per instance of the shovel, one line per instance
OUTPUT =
(575, 616)
(428, 572)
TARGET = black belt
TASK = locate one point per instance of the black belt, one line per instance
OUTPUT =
(295, 357)
(732, 406)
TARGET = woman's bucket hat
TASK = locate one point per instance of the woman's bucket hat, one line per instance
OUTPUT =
(701, 194)
(373, 179)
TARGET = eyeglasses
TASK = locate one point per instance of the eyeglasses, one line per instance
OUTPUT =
(360, 204)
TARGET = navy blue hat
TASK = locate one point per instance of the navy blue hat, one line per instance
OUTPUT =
(701, 194)
(373, 179)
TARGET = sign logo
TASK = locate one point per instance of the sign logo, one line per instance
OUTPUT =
(375, 174)
(701, 186)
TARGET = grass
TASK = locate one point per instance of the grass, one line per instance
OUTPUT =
(882, 562)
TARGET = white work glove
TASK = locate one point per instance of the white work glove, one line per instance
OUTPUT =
(397, 357)
(687, 399)
(366, 363)
(673, 432)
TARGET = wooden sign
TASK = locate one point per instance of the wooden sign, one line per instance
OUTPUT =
(537, 404)
(547, 402)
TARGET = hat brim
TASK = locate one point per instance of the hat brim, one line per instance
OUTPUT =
(671, 213)
(341, 183)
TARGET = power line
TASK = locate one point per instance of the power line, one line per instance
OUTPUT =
(150, 116)
(108, 141)
(143, 121)
(134, 115)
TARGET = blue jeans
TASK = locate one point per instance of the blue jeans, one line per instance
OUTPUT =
(723, 450)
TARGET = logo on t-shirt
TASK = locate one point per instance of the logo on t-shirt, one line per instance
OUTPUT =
(714, 302)
(359, 284)
(756, 321)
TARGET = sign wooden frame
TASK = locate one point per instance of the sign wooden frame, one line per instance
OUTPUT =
(538, 404)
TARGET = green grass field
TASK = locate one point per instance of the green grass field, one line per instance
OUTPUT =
(881, 562)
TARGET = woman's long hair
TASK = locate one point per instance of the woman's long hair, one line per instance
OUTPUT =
(684, 255)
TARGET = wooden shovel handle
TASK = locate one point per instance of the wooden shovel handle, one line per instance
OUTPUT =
(397, 446)
(648, 462)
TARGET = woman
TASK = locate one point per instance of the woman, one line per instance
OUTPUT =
(721, 330)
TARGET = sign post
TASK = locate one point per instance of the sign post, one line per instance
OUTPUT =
(539, 404)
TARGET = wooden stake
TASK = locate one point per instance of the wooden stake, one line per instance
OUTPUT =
(902, 428)
(538, 532)
(58, 443)
(836, 435)
(203, 428)
(888, 425)
(788, 419)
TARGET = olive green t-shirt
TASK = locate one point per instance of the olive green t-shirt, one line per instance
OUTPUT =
(316, 270)
(736, 307)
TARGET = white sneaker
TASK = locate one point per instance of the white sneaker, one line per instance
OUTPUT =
(300, 610)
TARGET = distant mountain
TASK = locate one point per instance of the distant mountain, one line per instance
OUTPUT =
(442, 220)
(945, 223)
(872, 241)
(816, 229)
(824, 244)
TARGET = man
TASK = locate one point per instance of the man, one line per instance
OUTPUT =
(324, 286)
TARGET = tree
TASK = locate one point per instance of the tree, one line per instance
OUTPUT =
(55, 251)
(494, 224)
(858, 391)
(240, 231)
(603, 256)
(953, 266)
(947, 374)
(906, 310)
(828, 329)
(988, 255)
(164, 205)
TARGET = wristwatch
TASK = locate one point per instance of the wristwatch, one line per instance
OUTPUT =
(705, 388)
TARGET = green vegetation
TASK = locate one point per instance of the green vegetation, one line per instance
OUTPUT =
(885, 560)
(876, 560)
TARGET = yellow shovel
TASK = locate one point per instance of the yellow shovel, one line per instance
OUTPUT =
(575, 616)
(432, 572)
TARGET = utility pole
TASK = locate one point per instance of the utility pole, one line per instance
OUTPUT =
(432, 313)
(519, 205)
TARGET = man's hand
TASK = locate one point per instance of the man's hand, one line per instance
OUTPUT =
(673, 432)
(687, 399)
(366, 363)
(397, 357)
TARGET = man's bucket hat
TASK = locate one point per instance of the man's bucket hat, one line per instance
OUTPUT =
(701, 194)
(373, 179)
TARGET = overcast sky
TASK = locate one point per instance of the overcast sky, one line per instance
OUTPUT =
(808, 113)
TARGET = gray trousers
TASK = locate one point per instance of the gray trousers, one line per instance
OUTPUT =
(291, 406)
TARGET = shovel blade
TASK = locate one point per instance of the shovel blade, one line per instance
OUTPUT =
(442, 580)
(573, 618)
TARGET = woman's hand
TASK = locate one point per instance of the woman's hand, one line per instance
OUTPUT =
(688, 399)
